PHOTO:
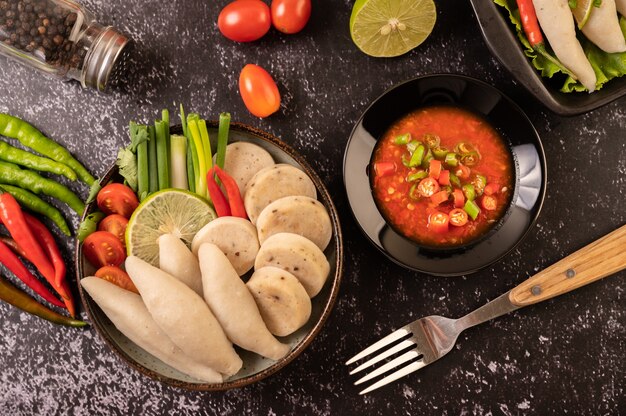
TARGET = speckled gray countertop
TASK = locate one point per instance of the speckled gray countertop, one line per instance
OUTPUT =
(564, 356)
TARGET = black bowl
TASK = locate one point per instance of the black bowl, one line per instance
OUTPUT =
(500, 36)
(503, 114)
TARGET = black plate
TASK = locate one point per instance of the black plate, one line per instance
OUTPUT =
(504, 115)
(500, 36)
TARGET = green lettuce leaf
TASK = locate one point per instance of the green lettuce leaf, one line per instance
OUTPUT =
(606, 65)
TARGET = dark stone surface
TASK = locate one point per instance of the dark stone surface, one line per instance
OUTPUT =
(562, 356)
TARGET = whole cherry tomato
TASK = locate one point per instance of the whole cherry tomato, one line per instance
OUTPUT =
(244, 20)
(290, 16)
(258, 91)
(116, 198)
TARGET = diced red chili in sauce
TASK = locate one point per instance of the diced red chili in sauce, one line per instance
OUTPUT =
(463, 145)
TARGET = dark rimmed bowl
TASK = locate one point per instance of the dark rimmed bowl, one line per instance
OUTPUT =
(255, 367)
(501, 38)
(503, 114)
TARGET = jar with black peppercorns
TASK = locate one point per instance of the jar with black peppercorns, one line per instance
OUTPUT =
(61, 38)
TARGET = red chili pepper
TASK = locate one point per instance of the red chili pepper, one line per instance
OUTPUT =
(235, 202)
(384, 168)
(13, 263)
(45, 238)
(219, 200)
(12, 217)
(529, 22)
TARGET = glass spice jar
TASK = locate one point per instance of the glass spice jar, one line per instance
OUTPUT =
(61, 38)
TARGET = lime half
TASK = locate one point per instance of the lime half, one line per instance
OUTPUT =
(386, 28)
(582, 11)
(170, 211)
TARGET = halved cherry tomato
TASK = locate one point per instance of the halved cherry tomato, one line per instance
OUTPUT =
(434, 170)
(428, 187)
(290, 16)
(462, 171)
(458, 217)
(439, 198)
(116, 198)
(488, 202)
(117, 276)
(444, 177)
(103, 249)
(458, 198)
(491, 188)
(244, 20)
(116, 225)
(438, 222)
(258, 90)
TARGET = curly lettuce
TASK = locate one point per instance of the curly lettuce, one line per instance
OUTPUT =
(606, 65)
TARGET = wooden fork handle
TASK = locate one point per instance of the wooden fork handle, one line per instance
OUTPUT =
(599, 259)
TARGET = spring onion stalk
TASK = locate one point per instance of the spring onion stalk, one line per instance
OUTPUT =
(206, 144)
(143, 178)
(191, 177)
(162, 157)
(165, 118)
(183, 121)
(178, 159)
(201, 188)
(222, 139)
(152, 161)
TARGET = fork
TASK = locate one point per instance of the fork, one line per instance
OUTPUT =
(427, 339)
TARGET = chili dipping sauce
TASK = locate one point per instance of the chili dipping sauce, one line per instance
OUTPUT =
(442, 176)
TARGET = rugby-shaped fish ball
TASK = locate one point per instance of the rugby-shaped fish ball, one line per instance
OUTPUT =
(236, 237)
(297, 255)
(284, 304)
(130, 316)
(273, 183)
(233, 305)
(298, 215)
(184, 317)
(178, 261)
(243, 160)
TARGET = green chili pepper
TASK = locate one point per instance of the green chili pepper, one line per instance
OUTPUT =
(30, 137)
(470, 159)
(440, 152)
(469, 191)
(416, 176)
(12, 175)
(463, 148)
(451, 159)
(32, 202)
(479, 183)
(89, 225)
(21, 300)
(472, 209)
(29, 160)
(431, 140)
(402, 139)
(454, 180)
(416, 157)
(427, 158)
(412, 146)
(413, 193)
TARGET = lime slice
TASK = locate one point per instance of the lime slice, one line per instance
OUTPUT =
(386, 28)
(582, 11)
(169, 211)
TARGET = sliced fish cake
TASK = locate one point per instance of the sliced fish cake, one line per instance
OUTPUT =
(243, 160)
(273, 183)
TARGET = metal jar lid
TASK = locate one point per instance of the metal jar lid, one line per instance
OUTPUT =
(105, 59)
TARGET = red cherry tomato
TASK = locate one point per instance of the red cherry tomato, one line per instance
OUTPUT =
(258, 91)
(290, 16)
(117, 276)
(458, 217)
(244, 20)
(116, 198)
(103, 249)
(116, 225)
(438, 222)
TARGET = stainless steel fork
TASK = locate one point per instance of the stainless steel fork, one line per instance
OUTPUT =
(427, 339)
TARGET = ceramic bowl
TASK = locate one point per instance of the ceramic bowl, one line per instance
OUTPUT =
(502, 114)
(255, 367)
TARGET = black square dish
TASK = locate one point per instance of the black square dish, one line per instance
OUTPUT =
(500, 36)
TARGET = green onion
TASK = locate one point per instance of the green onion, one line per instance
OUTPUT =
(451, 159)
(416, 176)
(206, 144)
(152, 161)
(191, 177)
(472, 209)
(178, 157)
(201, 188)
(222, 139)
(183, 121)
(162, 154)
(143, 178)
(402, 139)
(469, 192)
(417, 156)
